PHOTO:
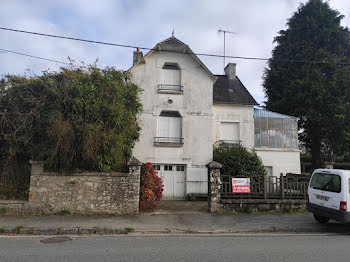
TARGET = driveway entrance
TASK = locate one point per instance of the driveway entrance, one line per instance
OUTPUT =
(181, 207)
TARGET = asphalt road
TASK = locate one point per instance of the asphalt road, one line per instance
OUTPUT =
(177, 248)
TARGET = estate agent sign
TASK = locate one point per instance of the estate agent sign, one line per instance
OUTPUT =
(240, 185)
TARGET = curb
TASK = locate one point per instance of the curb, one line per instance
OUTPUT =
(63, 231)
(126, 231)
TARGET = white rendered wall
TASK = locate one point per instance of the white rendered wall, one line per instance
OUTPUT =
(195, 107)
(235, 113)
(281, 161)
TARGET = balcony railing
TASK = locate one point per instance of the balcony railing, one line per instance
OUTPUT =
(177, 89)
(231, 142)
(168, 141)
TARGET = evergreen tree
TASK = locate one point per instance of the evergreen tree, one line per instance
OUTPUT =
(318, 93)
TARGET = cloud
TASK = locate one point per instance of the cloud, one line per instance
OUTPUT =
(145, 23)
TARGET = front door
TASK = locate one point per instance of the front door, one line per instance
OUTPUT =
(174, 181)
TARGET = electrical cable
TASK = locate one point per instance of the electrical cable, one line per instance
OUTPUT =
(173, 51)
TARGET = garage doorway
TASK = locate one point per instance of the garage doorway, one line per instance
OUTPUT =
(174, 181)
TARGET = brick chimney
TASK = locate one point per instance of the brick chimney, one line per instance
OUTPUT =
(137, 56)
(230, 71)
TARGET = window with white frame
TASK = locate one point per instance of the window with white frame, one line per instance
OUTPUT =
(229, 133)
(169, 128)
(170, 78)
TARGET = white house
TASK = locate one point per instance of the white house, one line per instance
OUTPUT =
(233, 111)
(177, 116)
(186, 111)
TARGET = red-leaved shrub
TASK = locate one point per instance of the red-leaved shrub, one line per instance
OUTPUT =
(151, 188)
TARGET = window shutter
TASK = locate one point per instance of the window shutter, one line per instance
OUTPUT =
(229, 131)
(171, 77)
(169, 127)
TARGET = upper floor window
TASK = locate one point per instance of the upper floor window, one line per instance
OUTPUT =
(229, 133)
(170, 79)
(276, 132)
(169, 130)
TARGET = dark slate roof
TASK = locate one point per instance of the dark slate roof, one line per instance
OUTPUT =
(231, 91)
(171, 41)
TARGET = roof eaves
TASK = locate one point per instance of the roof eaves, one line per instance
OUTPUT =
(157, 48)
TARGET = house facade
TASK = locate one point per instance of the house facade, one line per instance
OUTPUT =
(233, 108)
(176, 122)
(186, 112)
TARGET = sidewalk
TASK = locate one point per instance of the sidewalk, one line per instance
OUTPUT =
(180, 222)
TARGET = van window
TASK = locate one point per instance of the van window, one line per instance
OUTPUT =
(326, 182)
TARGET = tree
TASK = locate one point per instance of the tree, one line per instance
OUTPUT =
(83, 118)
(314, 92)
(238, 161)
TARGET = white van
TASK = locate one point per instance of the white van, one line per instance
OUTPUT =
(328, 195)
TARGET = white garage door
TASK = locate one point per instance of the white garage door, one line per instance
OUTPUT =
(174, 181)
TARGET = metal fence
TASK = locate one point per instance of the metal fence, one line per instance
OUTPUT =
(268, 187)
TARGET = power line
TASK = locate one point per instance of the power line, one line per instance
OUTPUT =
(72, 38)
(174, 51)
(37, 57)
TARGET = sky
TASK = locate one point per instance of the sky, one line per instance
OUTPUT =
(144, 23)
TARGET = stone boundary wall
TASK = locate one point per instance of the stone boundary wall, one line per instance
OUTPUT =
(84, 193)
(13, 206)
(254, 205)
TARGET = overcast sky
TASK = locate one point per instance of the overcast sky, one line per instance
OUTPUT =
(145, 23)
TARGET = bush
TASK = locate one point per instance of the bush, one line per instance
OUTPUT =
(238, 161)
(84, 118)
(151, 188)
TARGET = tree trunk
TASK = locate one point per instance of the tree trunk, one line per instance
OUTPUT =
(316, 150)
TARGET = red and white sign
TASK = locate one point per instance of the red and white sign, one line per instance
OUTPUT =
(240, 185)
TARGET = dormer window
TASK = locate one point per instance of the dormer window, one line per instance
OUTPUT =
(170, 79)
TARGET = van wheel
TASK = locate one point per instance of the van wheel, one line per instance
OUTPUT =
(321, 220)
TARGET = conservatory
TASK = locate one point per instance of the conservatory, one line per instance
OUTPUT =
(276, 141)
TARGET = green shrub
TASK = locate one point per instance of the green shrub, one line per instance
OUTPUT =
(129, 229)
(288, 209)
(238, 161)
(247, 209)
(18, 229)
(84, 118)
(64, 212)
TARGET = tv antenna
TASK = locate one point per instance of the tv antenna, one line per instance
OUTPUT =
(225, 32)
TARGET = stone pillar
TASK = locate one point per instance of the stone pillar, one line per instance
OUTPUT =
(134, 182)
(214, 186)
(37, 167)
(134, 165)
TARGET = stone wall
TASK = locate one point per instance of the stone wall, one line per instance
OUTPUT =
(255, 205)
(85, 193)
(12, 206)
